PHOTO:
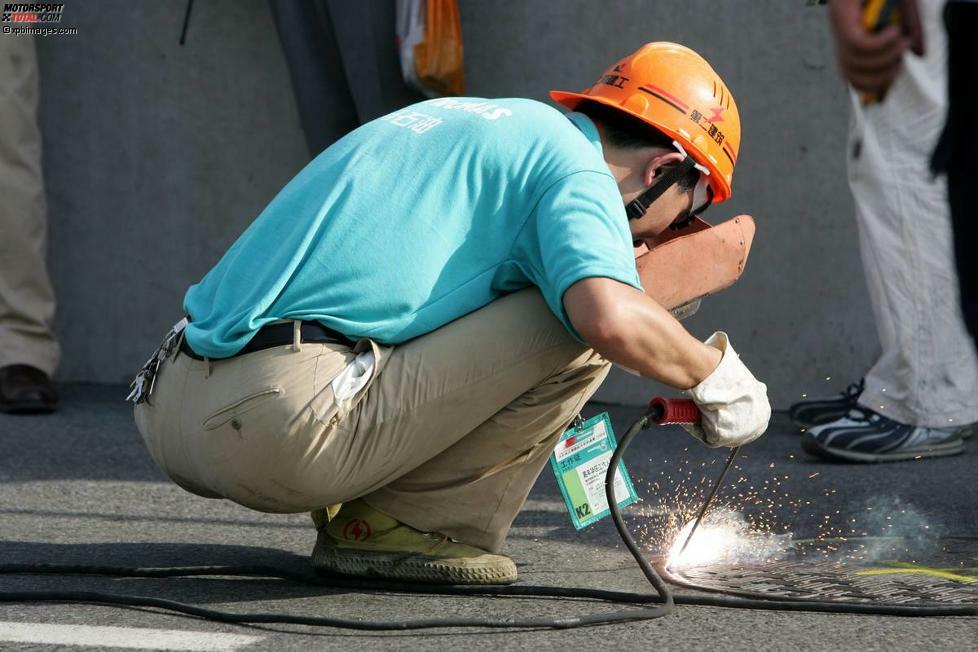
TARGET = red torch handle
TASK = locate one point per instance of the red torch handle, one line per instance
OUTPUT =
(674, 410)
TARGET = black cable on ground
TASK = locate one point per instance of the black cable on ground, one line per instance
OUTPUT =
(330, 581)
(484, 591)
(609, 491)
(664, 600)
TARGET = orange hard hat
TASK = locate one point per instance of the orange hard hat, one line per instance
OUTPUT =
(675, 90)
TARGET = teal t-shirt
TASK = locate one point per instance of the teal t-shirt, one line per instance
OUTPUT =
(418, 218)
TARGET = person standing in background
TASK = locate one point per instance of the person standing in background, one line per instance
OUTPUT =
(920, 399)
(29, 350)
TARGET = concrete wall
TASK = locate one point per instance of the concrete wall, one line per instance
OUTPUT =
(158, 156)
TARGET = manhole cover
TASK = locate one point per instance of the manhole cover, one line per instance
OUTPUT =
(880, 570)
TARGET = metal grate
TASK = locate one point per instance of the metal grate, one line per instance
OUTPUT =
(877, 570)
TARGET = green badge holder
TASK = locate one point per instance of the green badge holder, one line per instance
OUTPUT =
(580, 462)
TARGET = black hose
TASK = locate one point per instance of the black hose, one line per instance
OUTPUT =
(393, 587)
(609, 491)
(664, 598)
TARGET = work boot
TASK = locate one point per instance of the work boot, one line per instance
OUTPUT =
(365, 542)
(819, 411)
(866, 436)
(26, 390)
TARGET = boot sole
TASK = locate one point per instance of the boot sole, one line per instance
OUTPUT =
(813, 446)
(328, 558)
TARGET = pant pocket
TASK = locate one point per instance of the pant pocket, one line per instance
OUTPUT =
(240, 407)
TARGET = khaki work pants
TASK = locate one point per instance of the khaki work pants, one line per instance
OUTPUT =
(26, 297)
(448, 436)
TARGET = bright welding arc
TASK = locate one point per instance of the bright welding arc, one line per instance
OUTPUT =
(709, 499)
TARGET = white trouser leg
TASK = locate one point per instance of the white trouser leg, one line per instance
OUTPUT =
(927, 374)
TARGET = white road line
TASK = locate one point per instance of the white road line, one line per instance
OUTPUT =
(134, 638)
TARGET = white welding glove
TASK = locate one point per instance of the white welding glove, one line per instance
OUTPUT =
(734, 403)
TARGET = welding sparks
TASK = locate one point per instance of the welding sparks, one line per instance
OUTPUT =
(725, 537)
(753, 518)
(764, 505)
(764, 509)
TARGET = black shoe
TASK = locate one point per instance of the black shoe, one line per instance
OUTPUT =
(818, 411)
(26, 390)
(867, 436)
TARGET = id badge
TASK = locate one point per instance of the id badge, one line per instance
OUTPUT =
(580, 461)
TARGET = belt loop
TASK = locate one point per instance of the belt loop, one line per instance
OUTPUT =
(207, 367)
(296, 335)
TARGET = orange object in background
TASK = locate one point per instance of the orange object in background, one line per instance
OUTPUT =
(675, 90)
(877, 15)
(430, 40)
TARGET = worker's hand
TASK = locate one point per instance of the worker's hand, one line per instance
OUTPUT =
(733, 403)
(870, 61)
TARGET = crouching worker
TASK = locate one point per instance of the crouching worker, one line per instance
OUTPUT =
(400, 338)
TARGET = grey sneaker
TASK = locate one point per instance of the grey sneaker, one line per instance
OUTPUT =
(968, 431)
(866, 436)
(364, 542)
(818, 411)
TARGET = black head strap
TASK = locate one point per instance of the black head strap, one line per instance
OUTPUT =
(637, 207)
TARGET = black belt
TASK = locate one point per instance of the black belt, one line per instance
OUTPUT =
(280, 335)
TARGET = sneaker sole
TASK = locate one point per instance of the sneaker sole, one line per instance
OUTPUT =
(328, 558)
(813, 446)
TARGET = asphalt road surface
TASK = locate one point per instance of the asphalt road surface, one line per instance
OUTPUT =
(79, 488)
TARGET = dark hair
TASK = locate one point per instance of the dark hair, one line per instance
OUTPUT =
(627, 132)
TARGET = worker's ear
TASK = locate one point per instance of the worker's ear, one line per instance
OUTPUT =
(658, 164)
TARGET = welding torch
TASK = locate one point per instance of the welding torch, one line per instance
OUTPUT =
(660, 411)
